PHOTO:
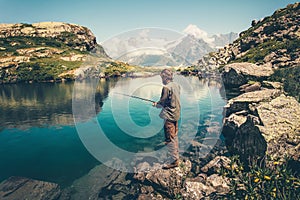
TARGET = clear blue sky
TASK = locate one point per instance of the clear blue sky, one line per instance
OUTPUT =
(111, 17)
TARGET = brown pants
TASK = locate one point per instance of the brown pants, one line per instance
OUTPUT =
(171, 131)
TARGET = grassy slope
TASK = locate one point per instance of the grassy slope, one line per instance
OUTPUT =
(290, 77)
(38, 69)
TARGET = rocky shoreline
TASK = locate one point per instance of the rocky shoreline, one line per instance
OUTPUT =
(103, 182)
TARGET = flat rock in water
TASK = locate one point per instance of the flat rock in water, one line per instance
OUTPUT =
(24, 188)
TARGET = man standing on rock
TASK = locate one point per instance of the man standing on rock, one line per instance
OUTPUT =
(170, 104)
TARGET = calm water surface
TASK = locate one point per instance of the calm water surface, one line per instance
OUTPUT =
(38, 137)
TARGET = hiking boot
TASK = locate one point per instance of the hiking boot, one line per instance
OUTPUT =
(171, 165)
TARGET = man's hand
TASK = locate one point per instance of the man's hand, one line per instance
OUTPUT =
(155, 104)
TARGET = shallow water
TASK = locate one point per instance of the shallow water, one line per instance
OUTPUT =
(43, 137)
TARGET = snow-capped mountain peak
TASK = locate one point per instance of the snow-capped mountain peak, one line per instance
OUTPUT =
(163, 47)
(198, 33)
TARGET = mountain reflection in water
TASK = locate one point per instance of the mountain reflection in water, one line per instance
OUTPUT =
(43, 104)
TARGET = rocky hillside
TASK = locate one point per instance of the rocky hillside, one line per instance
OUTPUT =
(273, 41)
(268, 50)
(261, 125)
(265, 53)
(263, 122)
(43, 51)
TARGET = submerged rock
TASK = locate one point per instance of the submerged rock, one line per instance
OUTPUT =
(24, 188)
(102, 182)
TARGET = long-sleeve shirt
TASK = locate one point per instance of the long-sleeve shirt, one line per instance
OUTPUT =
(170, 102)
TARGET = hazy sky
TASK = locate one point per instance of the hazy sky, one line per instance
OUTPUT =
(112, 17)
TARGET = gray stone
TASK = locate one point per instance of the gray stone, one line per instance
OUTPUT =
(215, 165)
(237, 74)
(198, 190)
(168, 182)
(219, 183)
(250, 87)
(281, 126)
(242, 137)
(246, 101)
(272, 85)
(263, 122)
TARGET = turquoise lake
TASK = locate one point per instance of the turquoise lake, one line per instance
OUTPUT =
(49, 131)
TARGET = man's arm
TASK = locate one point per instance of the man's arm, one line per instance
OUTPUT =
(163, 98)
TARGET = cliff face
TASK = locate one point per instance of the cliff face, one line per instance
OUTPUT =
(46, 51)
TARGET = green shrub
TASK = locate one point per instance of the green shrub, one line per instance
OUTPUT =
(290, 77)
(31, 42)
(24, 25)
(117, 69)
(44, 69)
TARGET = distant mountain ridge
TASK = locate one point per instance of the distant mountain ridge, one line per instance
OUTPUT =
(173, 48)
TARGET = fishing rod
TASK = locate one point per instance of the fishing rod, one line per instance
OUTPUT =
(136, 97)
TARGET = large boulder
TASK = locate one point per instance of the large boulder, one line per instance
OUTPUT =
(262, 122)
(24, 188)
(247, 101)
(237, 74)
(280, 126)
(167, 182)
(242, 136)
